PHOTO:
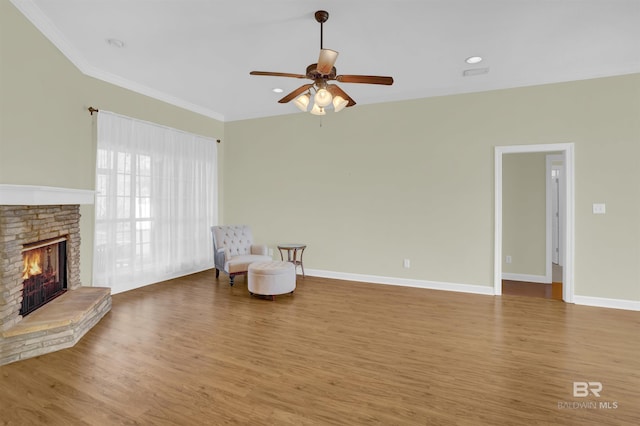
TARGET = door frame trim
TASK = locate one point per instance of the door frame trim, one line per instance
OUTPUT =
(567, 150)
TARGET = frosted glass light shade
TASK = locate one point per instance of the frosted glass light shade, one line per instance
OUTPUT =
(326, 60)
(339, 103)
(302, 102)
(317, 110)
(323, 98)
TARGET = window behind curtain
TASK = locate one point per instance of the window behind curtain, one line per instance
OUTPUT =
(156, 198)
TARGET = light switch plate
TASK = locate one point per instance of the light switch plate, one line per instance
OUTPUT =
(599, 208)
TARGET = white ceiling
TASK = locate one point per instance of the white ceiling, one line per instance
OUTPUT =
(197, 54)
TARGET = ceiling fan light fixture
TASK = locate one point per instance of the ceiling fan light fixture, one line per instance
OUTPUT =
(321, 74)
(323, 97)
(302, 102)
(339, 103)
(317, 110)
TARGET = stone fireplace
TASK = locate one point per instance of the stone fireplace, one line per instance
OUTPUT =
(32, 221)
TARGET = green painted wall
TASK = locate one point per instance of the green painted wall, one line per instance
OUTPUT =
(524, 213)
(372, 185)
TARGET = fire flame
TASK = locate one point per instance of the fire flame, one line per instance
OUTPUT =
(31, 264)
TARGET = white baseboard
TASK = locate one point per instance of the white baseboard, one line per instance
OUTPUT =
(468, 288)
(376, 279)
(603, 302)
(526, 277)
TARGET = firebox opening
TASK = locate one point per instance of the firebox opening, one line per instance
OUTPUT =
(44, 273)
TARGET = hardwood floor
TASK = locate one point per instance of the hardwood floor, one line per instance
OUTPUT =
(523, 288)
(194, 351)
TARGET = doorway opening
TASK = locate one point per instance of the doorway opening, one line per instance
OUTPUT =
(566, 227)
(556, 199)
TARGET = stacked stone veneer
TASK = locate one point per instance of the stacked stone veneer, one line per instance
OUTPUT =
(38, 334)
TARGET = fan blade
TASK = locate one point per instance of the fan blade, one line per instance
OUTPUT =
(295, 93)
(337, 91)
(326, 61)
(368, 79)
(277, 74)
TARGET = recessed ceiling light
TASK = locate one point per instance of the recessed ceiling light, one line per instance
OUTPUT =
(115, 43)
(473, 59)
(277, 90)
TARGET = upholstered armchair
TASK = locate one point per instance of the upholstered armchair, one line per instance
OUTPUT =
(234, 250)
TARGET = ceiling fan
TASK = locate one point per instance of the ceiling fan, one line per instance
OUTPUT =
(324, 93)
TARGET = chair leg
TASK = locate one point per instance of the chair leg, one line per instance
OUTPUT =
(217, 272)
(231, 278)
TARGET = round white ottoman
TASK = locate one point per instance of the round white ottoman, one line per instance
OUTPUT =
(271, 278)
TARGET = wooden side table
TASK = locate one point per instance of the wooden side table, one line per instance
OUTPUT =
(292, 254)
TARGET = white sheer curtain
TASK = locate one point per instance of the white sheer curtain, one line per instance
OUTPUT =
(156, 199)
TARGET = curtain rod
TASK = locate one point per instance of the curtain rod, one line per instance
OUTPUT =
(92, 110)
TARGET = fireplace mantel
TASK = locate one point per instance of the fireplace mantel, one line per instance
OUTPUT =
(31, 195)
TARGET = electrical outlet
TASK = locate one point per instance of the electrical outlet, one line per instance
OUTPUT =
(508, 259)
(599, 208)
(406, 263)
